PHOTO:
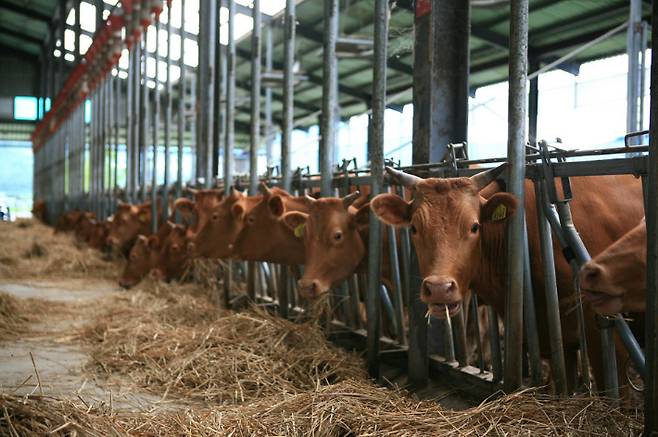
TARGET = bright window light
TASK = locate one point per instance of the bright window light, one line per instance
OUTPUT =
(69, 57)
(85, 43)
(25, 108)
(57, 53)
(191, 56)
(69, 40)
(88, 17)
(70, 18)
(272, 7)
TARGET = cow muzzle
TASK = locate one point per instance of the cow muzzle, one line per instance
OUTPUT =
(597, 290)
(126, 284)
(310, 288)
(442, 296)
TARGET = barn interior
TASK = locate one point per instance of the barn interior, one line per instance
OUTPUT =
(163, 173)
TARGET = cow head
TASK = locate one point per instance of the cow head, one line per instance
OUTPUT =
(615, 281)
(221, 226)
(334, 244)
(449, 221)
(129, 221)
(84, 225)
(173, 254)
(265, 237)
(142, 258)
(98, 234)
(196, 213)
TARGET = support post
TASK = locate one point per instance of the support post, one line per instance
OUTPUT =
(329, 97)
(230, 97)
(518, 68)
(651, 342)
(167, 123)
(180, 125)
(288, 93)
(255, 97)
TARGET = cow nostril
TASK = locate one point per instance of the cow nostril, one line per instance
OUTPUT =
(451, 287)
(427, 292)
(591, 272)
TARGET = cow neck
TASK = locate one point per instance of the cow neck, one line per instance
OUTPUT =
(364, 233)
(291, 249)
(491, 266)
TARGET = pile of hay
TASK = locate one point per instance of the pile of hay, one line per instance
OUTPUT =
(13, 319)
(347, 408)
(177, 343)
(17, 316)
(32, 249)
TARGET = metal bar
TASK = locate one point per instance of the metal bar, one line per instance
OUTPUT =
(530, 315)
(533, 105)
(181, 112)
(144, 119)
(475, 316)
(77, 30)
(397, 284)
(651, 344)
(230, 97)
(217, 120)
(375, 152)
(206, 88)
(330, 96)
(288, 93)
(156, 135)
(269, 138)
(633, 51)
(518, 68)
(255, 97)
(494, 338)
(167, 123)
(552, 301)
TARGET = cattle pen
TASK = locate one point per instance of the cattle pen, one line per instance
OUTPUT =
(194, 266)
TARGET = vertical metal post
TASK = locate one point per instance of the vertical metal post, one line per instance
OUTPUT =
(180, 126)
(255, 97)
(144, 119)
(533, 104)
(78, 31)
(156, 132)
(217, 120)
(269, 139)
(449, 75)
(130, 183)
(167, 122)
(62, 49)
(635, 72)
(288, 93)
(230, 97)
(651, 338)
(376, 153)
(516, 177)
(206, 87)
(329, 97)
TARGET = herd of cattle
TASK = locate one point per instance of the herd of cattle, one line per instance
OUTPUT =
(458, 228)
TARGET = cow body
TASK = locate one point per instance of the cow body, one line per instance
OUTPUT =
(129, 222)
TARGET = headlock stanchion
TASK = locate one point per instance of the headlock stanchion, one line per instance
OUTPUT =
(105, 117)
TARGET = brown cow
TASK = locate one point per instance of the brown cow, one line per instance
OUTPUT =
(197, 212)
(335, 240)
(615, 281)
(39, 211)
(83, 227)
(129, 222)
(221, 226)
(172, 256)
(68, 221)
(144, 256)
(98, 234)
(265, 237)
(460, 241)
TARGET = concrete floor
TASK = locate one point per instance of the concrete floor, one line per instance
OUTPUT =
(58, 356)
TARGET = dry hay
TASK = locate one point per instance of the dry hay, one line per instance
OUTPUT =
(17, 315)
(350, 407)
(13, 319)
(185, 345)
(32, 250)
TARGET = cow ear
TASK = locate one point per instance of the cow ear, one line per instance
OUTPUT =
(296, 221)
(185, 206)
(498, 208)
(153, 242)
(237, 211)
(275, 203)
(361, 218)
(392, 209)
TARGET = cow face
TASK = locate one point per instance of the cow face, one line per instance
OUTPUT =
(129, 221)
(265, 237)
(222, 226)
(173, 254)
(448, 220)
(142, 258)
(615, 280)
(197, 212)
(98, 235)
(334, 241)
(84, 226)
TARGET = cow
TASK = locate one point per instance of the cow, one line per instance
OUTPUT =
(335, 237)
(39, 211)
(84, 225)
(172, 257)
(98, 234)
(129, 222)
(143, 257)
(264, 236)
(460, 240)
(196, 212)
(68, 221)
(221, 226)
(615, 280)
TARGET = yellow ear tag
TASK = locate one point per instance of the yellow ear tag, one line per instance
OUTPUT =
(499, 213)
(299, 230)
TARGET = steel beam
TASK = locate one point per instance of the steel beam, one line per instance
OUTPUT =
(288, 93)
(329, 96)
(255, 97)
(230, 97)
(518, 68)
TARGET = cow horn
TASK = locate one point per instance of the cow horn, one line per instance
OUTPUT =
(310, 200)
(350, 198)
(406, 179)
(264, 189)
(231, 191)
(484, 178)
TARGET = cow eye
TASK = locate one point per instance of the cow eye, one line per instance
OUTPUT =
(174, 247)
(338, 235)
(475, 227)
(251, 219)
(215, 216)
(413, 229)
